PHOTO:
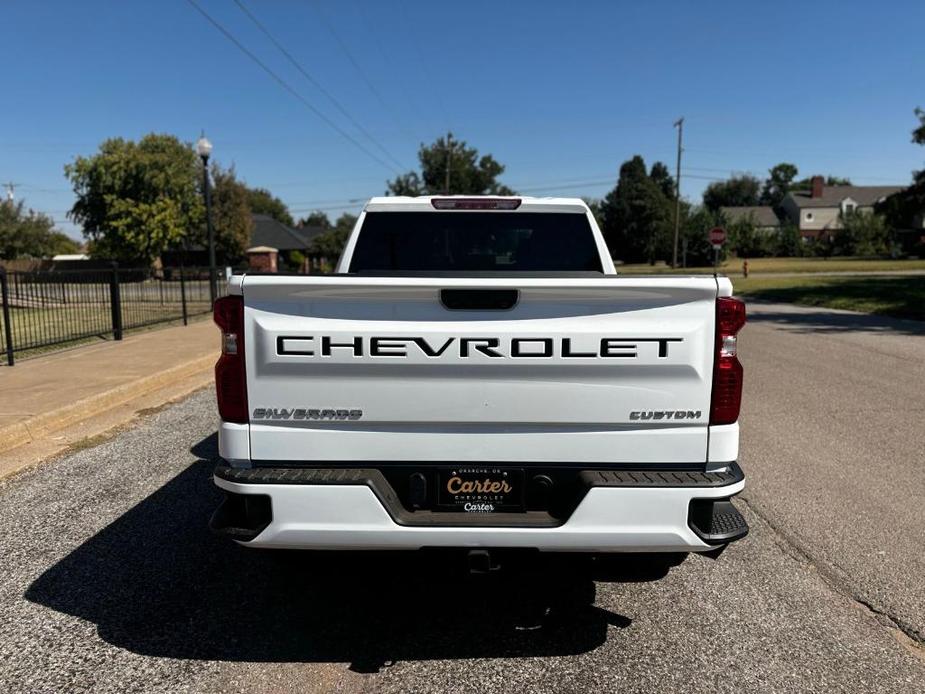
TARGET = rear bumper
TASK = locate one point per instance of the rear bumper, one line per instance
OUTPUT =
(620, 511)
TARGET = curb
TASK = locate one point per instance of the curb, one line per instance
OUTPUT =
(42, 425)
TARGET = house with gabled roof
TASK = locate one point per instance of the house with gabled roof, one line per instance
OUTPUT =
(273, 234)
(762, 216)
(822, 208)
(267, 234)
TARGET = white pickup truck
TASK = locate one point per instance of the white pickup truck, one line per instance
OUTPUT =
(477, 375)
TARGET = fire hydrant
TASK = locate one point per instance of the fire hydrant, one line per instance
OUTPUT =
(745, 269)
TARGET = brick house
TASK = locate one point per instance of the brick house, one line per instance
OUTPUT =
(268, 232)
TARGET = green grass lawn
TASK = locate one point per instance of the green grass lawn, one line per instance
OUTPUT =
(901, 297)
(39, 330)
(733, 266)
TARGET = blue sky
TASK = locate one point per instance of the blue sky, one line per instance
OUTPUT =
(561, 93)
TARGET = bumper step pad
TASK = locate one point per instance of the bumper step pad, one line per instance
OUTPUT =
(716, 521)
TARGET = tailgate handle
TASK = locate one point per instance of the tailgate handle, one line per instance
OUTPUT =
(479, 299)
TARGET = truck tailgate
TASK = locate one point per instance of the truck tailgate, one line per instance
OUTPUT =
(579, 370)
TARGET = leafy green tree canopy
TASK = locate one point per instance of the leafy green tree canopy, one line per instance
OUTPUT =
(695, 249)
(636, 215)
(262, 201)
(778, 184)
(231, 215)
(29, 234)
(918, 135)
(470, 173)
(136, 199)
(316, 219)
(747, 240)
(863, 233)
(737, 191)
(663, 178)
(906, 209)
(331, 243)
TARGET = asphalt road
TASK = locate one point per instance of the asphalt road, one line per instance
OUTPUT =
(109, 580)
(833, 442)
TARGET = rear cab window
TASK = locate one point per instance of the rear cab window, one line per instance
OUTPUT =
(475, 242)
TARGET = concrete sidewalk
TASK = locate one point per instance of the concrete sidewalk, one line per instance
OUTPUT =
(50, 403)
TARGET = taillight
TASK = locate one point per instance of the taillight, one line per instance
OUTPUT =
(475, 203)
(727, 371)
(230, 383)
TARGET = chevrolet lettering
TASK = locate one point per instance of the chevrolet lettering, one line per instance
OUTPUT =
(473, 347)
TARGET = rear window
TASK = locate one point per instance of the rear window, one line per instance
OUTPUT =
(475, 241)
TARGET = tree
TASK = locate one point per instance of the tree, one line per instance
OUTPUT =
(778, 184)
(331, 243)
(231, 215)
(136, 199)
(60, 243)
(737, 191)
(29, 234)
(637, 215)
(918, 135)
(663, 179)
(262, 201)
(788, 242)
(906, 209)
(470, 174)
(862, 233)
(696, 249)
(408, 184)
(746, 240)
(316, 219)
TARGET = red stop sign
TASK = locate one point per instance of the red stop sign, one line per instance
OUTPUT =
(717, 236)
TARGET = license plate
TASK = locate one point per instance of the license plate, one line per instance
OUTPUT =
(481, 490)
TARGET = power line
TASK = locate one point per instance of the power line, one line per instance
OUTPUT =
(310, 203)
(298, 66)
(326, 208)
(424, 65)
(566, 186)
(356, 65)
(407, 96)
(285, 85)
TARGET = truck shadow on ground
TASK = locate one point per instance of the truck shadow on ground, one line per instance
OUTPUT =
(158, 583)
(823, 322)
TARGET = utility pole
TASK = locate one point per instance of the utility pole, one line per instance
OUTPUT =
(10, 187)
(449, 160)
(679, 124)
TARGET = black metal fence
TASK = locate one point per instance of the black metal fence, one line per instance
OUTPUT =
(44, 309)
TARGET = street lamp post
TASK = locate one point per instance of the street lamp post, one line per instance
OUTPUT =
(204, 148)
